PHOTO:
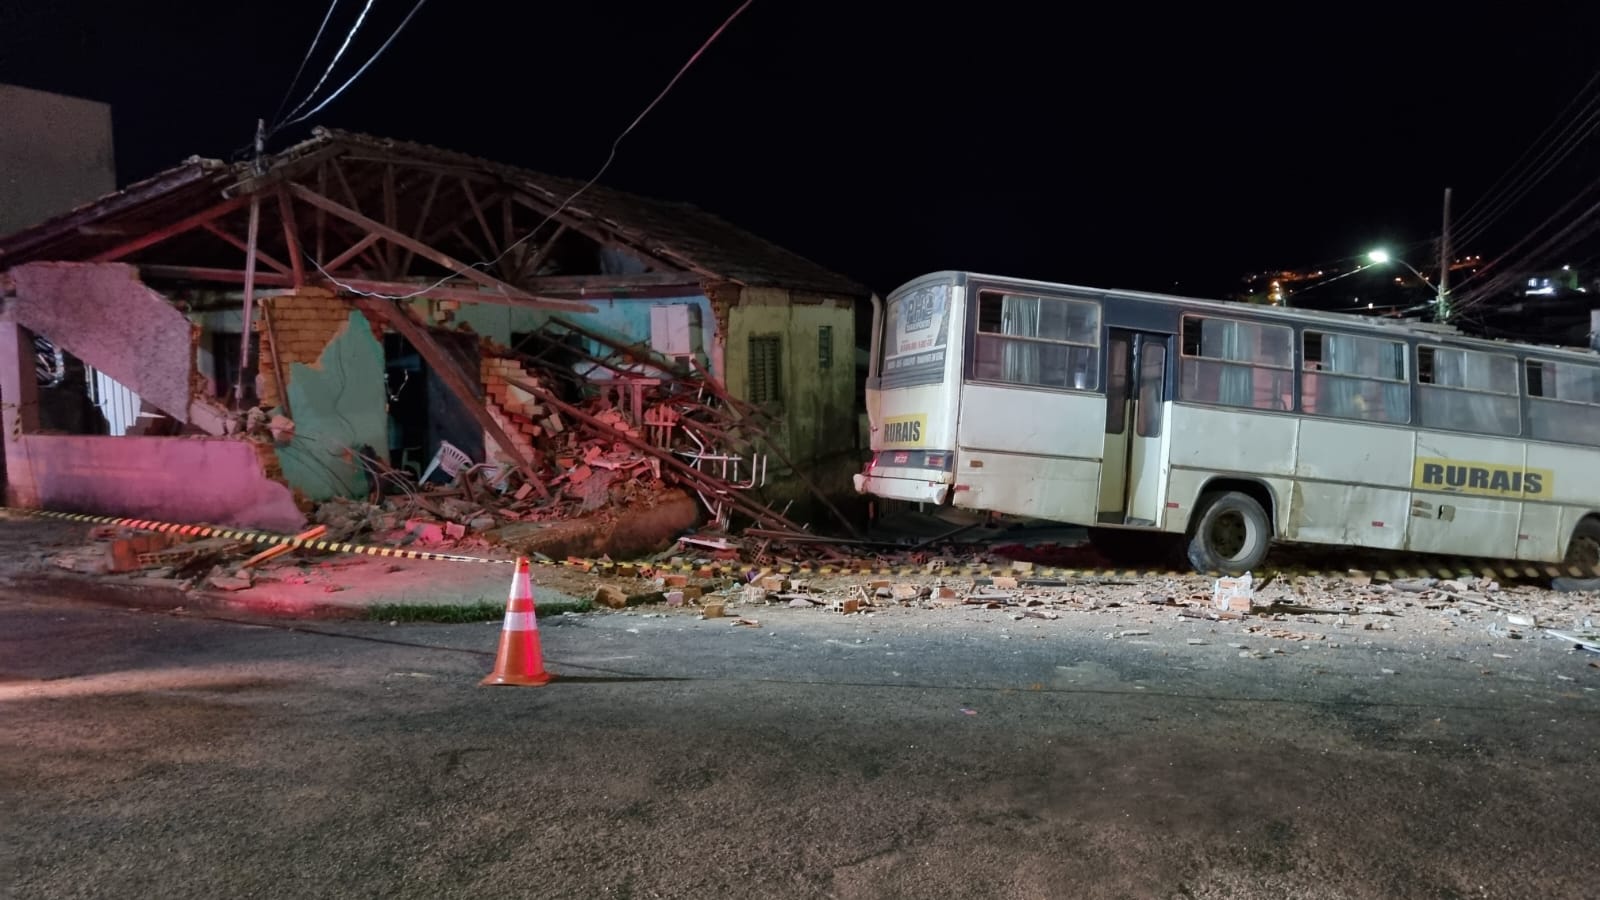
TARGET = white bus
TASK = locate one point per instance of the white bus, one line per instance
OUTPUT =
(1164, 422)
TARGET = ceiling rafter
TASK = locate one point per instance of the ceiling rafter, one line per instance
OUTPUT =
(443, 260)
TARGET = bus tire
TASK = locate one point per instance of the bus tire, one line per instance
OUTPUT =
(1231, 535)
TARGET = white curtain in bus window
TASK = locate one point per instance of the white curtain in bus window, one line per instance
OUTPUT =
(1564, 402)
(1043, 341)
(1234, 363)
(1468, 390)
(1350, 377)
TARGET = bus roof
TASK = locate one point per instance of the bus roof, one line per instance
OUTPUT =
(1406, 328)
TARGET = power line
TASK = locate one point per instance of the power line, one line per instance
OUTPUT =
(370, 60)
(1487, 194)
(610, 157)
(306, 59)
(339, 54)
(1562, 146)
(1495, 284)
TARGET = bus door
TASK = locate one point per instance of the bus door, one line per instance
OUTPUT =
(1136, 377)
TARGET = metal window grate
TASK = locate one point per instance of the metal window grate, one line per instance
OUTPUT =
(766, 384)
(824, 346)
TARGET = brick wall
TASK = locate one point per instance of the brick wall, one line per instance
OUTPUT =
(513, 409)
(304, 325)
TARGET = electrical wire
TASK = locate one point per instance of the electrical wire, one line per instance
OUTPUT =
(306, 59)
(1493, 205)
(339, 54)
(610, 157)
(1476, 230)
(370, 60)
(1536, 142)
(1500, 260)
(1494, 285)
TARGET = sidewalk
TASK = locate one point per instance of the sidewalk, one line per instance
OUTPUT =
(299, 584)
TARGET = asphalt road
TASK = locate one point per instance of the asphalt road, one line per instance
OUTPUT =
(914, 753)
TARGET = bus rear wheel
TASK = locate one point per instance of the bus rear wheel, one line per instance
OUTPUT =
(1231, 535)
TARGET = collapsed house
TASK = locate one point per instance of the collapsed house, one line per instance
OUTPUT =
(238, 343)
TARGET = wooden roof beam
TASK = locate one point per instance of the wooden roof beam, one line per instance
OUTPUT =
(186, 224)
(510, 292)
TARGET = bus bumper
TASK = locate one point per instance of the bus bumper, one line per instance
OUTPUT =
(916, 490)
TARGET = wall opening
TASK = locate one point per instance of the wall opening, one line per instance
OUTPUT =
(225, 348)
(66, 393)
(423, 412)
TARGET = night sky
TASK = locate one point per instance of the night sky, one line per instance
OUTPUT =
(1115, 147)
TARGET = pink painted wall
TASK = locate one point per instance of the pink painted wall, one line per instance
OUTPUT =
(104, 315)
(197, 480)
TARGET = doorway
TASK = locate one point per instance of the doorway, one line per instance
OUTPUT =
(423, 412)
(1136, 379)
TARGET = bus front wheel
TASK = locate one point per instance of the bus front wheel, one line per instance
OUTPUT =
(1231, 535)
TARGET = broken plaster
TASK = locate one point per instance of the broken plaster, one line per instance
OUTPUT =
(105, 316)
(339, 406)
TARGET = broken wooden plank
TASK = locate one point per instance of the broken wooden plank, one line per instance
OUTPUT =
(281, 549)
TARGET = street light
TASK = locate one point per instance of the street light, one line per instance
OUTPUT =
(1442, 306)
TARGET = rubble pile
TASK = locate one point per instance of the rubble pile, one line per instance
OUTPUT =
(1301, 610)
(610, 436)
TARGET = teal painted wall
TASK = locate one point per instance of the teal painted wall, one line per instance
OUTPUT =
(338, 404)
(627, 321)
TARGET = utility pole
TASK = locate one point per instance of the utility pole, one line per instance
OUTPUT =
(1442, 313)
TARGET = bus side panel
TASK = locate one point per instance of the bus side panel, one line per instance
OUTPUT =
(1228, 443)
(1463, 502)
(1028, 452)
(1563, 498)
(1353, 485)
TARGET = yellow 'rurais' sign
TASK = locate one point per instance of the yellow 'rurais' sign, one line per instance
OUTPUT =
(1456, 476)
(905, 431)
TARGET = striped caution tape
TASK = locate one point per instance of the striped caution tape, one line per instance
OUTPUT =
(1443, 569)
(258, 537)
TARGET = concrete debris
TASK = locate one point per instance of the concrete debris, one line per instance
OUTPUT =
(1234, 594)
(229, 582)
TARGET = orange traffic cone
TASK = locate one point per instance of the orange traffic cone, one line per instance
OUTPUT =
(520, 660)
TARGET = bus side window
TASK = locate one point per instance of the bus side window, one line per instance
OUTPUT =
(1564, 402)
(1468, 390)
(1049, 342)
(1351, 377)
(1231, 362)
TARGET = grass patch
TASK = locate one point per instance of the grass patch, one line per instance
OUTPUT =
(481, 611)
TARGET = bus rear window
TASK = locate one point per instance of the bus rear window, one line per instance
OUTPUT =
(1042, 341)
